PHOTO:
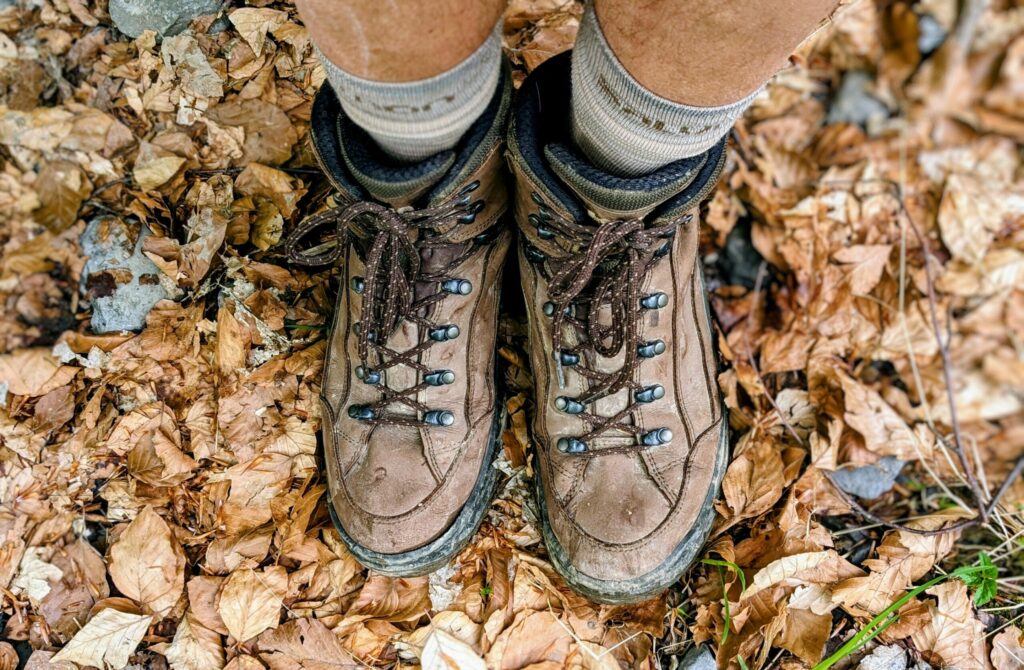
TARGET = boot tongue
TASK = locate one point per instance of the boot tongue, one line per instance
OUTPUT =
(608, 196)
(385, 179)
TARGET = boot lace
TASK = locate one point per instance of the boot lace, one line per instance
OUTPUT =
(616, 257)
(398, 240)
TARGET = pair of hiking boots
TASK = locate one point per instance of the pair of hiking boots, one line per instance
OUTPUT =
(630, 434)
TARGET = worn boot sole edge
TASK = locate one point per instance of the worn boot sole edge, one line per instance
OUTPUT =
(637, 589)
(447, 545)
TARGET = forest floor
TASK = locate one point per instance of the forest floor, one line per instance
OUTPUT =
(160, 495)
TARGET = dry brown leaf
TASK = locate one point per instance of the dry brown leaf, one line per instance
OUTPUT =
(253, 24)
(1007, 650)
(818, 567)
(864, 264)
(953, 637)
(902, 559)
(805, 634)
(446, 652)
(250, 601)
(62, 187)
(754, 481)
(884, 431)
(106, 640)
(532, 638)
(194, 647)
(33, 372)
(155, 166)
(392, 598)
(148, 565)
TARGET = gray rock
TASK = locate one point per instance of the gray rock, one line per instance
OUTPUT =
(119, 280)
(930, 35)
(166, 17)
(698, 658)
(885, 658)
(869, 481)
(853, 104)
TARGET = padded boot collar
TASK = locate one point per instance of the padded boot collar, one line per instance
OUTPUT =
(543, 148)
(360, 170)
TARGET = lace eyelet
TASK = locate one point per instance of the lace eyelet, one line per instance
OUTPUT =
(457, 286)
(534, 255)
(357, 328)
(358, 284)
(439, 417)
(361, 412)
(569, 405)
(651, 349)
(571, 445)
(536, 198)
(368, 376)
(656, 437)
(654, 301)
(568, 359)
(444, 333)
(545, 233)
(439, 377)
(649, 393)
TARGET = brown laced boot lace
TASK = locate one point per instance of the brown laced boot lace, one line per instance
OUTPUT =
(394, 271)
(616, 257)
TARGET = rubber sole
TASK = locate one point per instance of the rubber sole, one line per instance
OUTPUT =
(445, 547)
(624, 592)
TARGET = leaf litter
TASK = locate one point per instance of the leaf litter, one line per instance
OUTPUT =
(161, 502)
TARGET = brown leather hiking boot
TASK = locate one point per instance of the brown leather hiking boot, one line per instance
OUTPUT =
(629, 426)
(412, 417)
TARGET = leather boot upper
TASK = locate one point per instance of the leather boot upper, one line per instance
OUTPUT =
(408, 396)
(628, 423)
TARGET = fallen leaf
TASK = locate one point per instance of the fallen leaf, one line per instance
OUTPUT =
(106, 640)
(194, 647)
(445, 652)
(253, 24)
(147, 564)
(250, 601)
(304, 644)
(953, 637)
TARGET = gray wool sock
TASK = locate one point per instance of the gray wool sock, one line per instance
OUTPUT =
(416, 119)
(623, 127)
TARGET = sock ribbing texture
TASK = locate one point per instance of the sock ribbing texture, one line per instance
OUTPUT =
(625, 128)
(414, 120)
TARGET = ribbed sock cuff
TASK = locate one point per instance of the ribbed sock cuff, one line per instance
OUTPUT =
(416, 119)
(625, 128)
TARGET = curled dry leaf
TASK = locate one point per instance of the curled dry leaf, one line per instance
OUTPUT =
(107, 640)
(147, 564)
(884, 431)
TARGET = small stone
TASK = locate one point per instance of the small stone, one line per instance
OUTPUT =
(930, 34)
(869, 481)
(120, 282)
(885, 658)
(165, 17)
(854, 104)
(698, 658)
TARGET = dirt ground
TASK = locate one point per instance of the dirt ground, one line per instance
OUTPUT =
(160, 493)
